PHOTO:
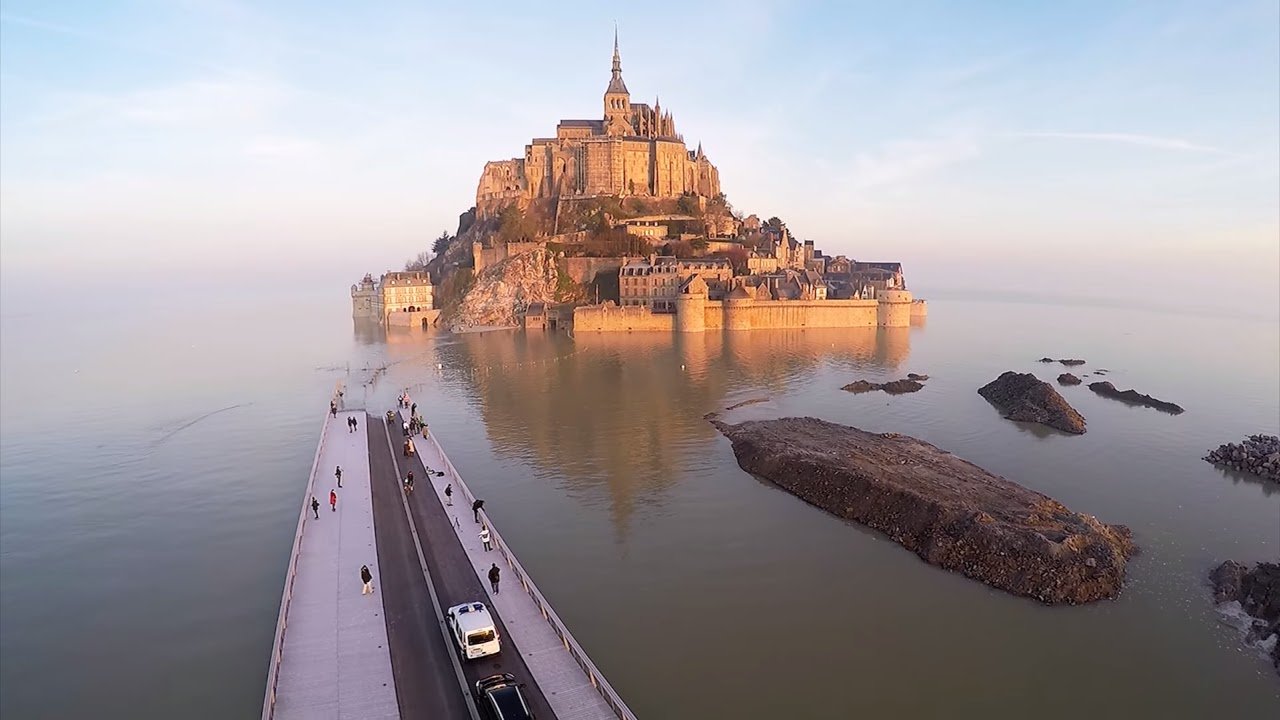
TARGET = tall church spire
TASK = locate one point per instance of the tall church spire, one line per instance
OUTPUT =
(615, 82)
(617, 100)
(617, 58)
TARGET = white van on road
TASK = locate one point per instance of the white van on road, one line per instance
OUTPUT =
(473, 630)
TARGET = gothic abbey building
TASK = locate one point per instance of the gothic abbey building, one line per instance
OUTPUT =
(633, 149)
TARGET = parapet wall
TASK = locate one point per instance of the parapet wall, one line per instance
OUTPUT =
(412, 319)
(743, 314)
(785, 314)
(583, 270)
(484, 257)
(612, 318)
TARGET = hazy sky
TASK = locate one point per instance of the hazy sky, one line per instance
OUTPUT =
(1080, 148)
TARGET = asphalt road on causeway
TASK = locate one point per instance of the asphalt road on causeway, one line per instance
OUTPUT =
(426, 682)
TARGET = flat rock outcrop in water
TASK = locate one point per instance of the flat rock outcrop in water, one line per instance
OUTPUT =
(1026, 398)
(950, 512)
(1258, 592)
(1133, 397)
(1068, 379)
(893, 387)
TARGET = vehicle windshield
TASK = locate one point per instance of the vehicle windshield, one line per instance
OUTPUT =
(509, 703)
(479, 638)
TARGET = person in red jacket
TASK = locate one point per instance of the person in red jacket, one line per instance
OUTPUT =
(333, 501)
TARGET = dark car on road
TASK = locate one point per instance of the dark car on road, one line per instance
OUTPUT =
(500, 698)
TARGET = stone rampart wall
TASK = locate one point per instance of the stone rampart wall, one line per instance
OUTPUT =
(484, 257)
(412, 319)
(783, 314)
(611, 318)
(583, 270)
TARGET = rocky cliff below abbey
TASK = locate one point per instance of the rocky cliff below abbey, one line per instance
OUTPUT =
(500, 294)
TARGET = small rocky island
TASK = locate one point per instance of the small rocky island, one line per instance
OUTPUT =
(950, 512)
(1133, 397)
(1257, 454)
(1068, 379)
(893, 387)
(1258, 592)
(1026, 398)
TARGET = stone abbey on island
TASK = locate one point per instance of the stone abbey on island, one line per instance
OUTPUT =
(614, 224)
(633, 149)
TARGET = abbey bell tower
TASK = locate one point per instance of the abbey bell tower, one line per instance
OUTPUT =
(617, 100)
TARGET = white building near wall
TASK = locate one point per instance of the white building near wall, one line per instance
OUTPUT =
(395, 292)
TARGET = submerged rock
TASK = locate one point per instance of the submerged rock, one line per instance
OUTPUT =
(1068, 379)
(1045, 360)
(918, 378)
(950, 512)
(1133, 397)
(1257, 454)
(1071, 362)
(1258, 592)
(1026, 398)
(893, 387)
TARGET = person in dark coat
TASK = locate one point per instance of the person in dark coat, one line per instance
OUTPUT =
(315, 506)
(337, 472)
(493, 577)
(448, 494)
(367, 578)
(333, 408)
(475, 508)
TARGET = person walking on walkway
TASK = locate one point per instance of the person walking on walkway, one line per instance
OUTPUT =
(315, 506)
(355, 424)
(413, 410)
(367, 578)
(333, 408)
(408, 482)
(475, 508)
(493, 577)
(333, 501)
(337, 472)
(448, 494)
(484, 538)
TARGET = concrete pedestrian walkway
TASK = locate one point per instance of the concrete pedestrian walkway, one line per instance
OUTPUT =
(334, 658)
(567, 685)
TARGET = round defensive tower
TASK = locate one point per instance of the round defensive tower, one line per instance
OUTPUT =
(737, 309)
(691, 310)
(894, 308)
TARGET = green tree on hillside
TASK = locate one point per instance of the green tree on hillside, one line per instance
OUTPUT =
(441, 243)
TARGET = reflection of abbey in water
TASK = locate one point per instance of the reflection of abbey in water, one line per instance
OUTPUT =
(540, 397)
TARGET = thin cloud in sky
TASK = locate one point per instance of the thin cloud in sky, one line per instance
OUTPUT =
(902, 161)
(1151, 141)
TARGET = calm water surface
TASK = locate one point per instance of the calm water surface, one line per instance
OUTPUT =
(152, 462)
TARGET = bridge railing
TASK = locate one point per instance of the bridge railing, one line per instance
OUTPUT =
(282, 621)
(561, 630)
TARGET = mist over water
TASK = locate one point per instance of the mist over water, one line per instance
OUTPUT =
(152, 459)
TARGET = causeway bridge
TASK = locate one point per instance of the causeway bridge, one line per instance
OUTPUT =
(340, 653)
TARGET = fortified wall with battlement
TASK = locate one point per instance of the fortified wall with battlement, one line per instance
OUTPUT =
(695, 313)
